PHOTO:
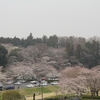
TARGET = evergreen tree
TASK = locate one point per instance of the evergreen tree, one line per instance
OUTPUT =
(16, 41)
(3, 58)
(69, 49)
(45, 39)
(78, 51)
(93, 48)
(29, 40)
(53, 41)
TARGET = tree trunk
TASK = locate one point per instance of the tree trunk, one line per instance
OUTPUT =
(92, 94)
(97, 92)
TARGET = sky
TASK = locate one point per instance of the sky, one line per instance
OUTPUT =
(79, 18)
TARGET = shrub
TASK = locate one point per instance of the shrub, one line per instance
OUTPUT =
(56, 97)
(89, 97)
(11, 95)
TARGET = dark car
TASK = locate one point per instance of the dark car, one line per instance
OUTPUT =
(1, 88)
(9, 87)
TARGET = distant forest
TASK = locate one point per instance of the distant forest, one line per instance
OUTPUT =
(86, 51)
(30, 40)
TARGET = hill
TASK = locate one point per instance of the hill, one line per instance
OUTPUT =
(47, 58)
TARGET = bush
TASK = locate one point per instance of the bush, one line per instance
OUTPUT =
(56, 97)
(89, 97)
(11, 95)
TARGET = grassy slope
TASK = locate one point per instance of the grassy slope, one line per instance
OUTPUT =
(37, 90)
(28, 92)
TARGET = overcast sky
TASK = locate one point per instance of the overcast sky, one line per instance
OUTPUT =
(80, 18)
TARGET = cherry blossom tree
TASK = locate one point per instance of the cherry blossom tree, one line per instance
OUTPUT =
(70, 81)
(79, 79)
(92, 80)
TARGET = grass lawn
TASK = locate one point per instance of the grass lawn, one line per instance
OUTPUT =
(37, 90)
(28, 92)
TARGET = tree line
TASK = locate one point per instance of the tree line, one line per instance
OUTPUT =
(30, 40)
(78, 49)
(85, 51)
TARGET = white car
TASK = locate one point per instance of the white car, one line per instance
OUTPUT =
(43, 84)
(17, 83)
(33, 82)
(54, 83)
(30, 85)
(21, 81)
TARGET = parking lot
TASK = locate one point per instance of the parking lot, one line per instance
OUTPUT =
(17, 86)
(23, 84)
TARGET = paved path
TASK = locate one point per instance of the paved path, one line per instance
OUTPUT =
(38, 97)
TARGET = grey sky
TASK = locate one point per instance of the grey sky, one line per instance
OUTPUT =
(49, 17)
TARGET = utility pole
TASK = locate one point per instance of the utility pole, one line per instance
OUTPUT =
(42, 92)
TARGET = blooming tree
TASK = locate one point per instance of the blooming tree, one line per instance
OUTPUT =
(78, 80)
(71, 82)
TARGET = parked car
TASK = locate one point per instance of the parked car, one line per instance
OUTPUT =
(9, 87)
(21, 81)
(35, 83)
(43, 84)
(54, 83)
(30, 85)
(1, 88)
(17, 83)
